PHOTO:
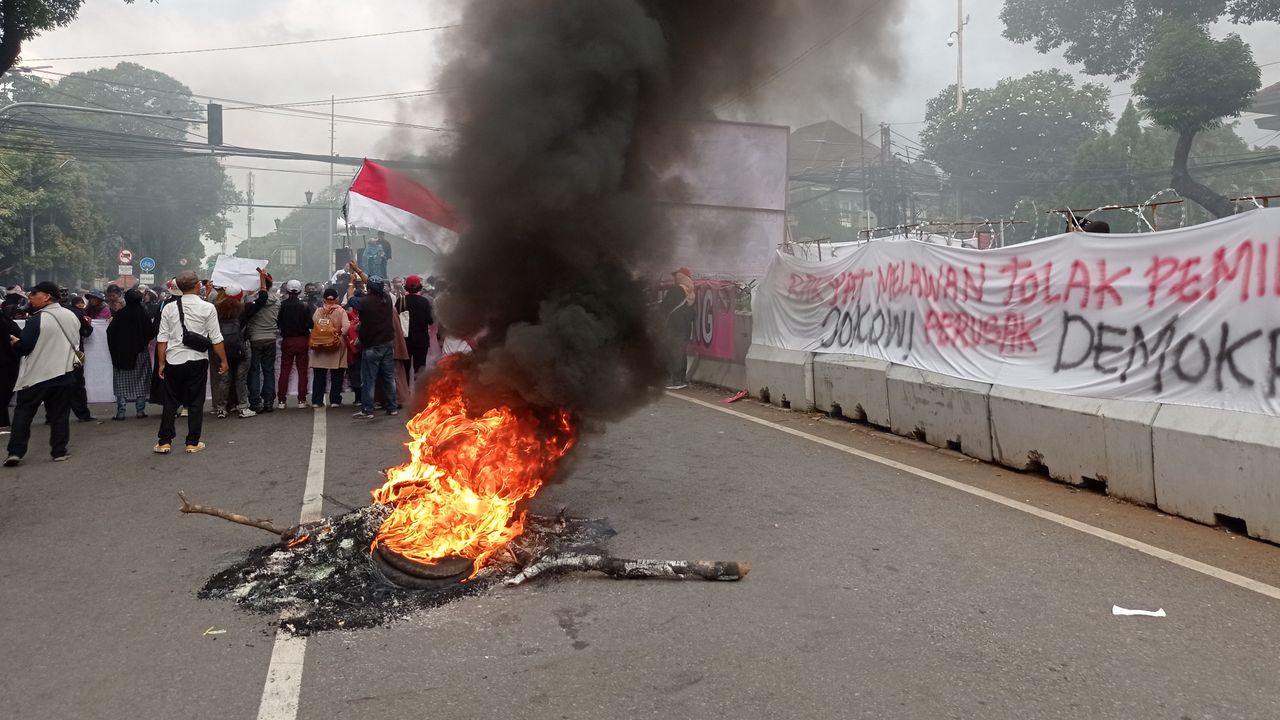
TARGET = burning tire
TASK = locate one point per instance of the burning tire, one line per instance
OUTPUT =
(414, 575)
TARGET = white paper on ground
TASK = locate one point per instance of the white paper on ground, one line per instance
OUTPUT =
(1117, 610)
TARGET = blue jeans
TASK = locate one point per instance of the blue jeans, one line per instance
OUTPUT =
(140, 405)
(262, 375)
(377, 363)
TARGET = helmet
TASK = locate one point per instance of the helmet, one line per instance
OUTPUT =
(293, 286)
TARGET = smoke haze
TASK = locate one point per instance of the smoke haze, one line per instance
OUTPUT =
(553, 100)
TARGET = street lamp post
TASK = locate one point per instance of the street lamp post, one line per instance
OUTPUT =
(957, 39)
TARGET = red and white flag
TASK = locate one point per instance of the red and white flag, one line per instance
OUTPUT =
(382, 199)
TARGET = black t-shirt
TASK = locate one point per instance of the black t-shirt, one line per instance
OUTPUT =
(421, 318)
(375, 320)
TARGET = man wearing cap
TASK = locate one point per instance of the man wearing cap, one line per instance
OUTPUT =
(183, 368)
(294, 322)
(259, 322)
(421, 318)
(677, 311)
(46, 375)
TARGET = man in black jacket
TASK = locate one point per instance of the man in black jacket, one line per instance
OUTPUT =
(421, 318)
(294, 323)
(377, 348)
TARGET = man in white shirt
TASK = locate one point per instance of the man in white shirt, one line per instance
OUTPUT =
(184, 370)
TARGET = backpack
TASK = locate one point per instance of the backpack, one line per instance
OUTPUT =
(325, 335)
(232, 340)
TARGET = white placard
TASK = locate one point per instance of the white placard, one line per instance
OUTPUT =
(125, 269)
(147, 278)
(241, 271)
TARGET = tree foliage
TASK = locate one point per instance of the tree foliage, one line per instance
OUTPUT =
(164, 207)
(1023, 131)
(1112, 37)
(1189, 83)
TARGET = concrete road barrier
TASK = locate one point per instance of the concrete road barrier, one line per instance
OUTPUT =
(721, 373)
(943, 411)
(858, 386)
(1076, 440)
(1216, 466)
(785, 377)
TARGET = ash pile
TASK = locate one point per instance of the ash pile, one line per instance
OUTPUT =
(329, 581)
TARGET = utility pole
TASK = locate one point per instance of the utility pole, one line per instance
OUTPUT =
(862, 147)
(328, 241)
(960, 23)
(250, 198)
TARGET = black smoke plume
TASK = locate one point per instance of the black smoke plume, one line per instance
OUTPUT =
(553, 101)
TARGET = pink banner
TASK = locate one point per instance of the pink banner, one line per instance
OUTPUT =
(713, 334)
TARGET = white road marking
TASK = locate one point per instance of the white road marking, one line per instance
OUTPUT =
(284, 675)
(1247, 583)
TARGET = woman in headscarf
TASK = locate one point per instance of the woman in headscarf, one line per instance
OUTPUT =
(128, 337)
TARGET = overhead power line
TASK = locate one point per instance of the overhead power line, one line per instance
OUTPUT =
(251, 106)
(247, 47)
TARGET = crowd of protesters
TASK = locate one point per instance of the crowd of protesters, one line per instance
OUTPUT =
(359, 338)
(359, 333)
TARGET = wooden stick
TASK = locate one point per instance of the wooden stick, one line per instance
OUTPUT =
(621, 568)
(260, 523)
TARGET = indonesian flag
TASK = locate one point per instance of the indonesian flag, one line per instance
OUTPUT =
(382, 199)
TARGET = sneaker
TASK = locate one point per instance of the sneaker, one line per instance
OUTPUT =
(281, 405)
(267, 408)
(141, 416)
(12, 461)
(304, 405)
(88, 419)
(362, 415)
(183, 412)
(677, 387)
(191, 449)
(221, 413)
(332, 405)
(162, 449)
(392, 413)
(247, 413)
(62, 458)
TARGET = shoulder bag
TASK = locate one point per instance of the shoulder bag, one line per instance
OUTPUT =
(192, 340)
(78, 362)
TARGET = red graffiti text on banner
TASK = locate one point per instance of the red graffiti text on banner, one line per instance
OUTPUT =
(1009, 333)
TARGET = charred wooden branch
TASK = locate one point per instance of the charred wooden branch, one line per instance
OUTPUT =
(288, 533)
(635, 569)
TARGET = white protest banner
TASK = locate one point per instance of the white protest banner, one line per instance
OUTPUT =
(241, 271)
(1188, 316)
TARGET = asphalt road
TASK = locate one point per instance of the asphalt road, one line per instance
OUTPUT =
(873, 593)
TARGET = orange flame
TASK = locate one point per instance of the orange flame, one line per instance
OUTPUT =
(461, 490)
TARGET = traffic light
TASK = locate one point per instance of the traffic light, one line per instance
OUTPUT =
(215, 123)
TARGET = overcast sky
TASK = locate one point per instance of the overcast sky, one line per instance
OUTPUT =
(409, 62)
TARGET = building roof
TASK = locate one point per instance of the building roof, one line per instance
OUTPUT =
(1267, 102)
(829, 150)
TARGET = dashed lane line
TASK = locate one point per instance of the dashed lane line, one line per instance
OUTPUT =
(284, 674)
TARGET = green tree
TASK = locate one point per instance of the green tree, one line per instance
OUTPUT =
(1190, 83)
(166, 207)
(22, 20)
(1021, 133)
(1109, 37)
(47, 193)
